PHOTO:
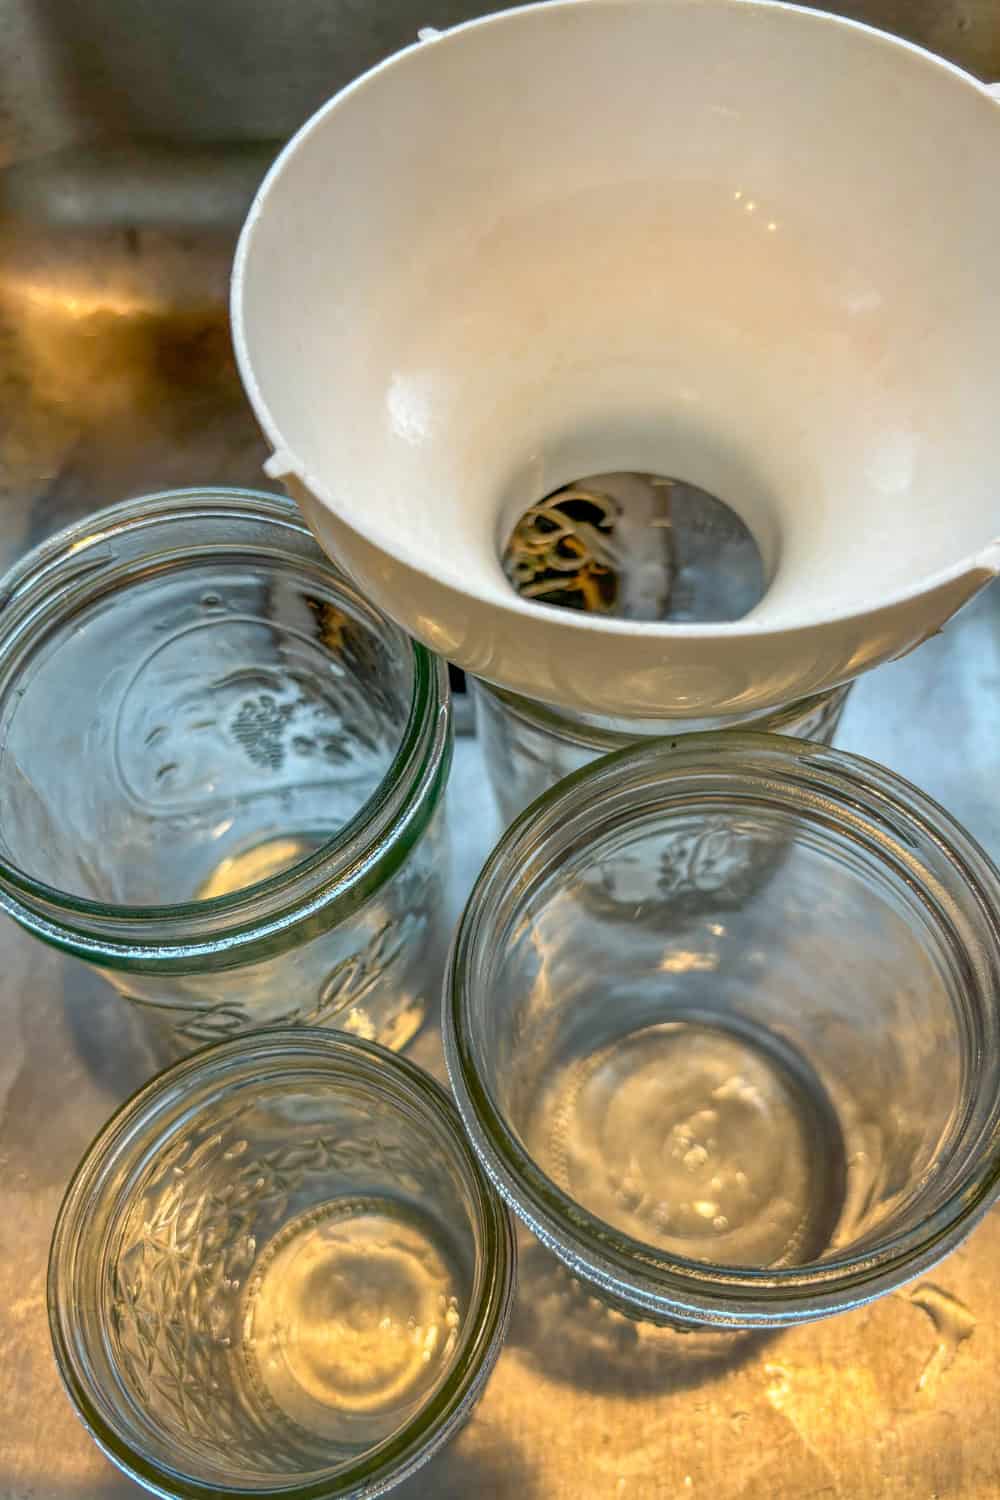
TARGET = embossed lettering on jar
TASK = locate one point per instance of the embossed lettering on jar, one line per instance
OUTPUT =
(221, 772)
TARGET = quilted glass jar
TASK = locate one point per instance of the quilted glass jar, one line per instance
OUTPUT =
(279, 1270)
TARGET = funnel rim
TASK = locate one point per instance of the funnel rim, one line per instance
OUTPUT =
(977, 567)
(983, 560)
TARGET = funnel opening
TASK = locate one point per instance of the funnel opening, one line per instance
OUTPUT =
(636, 546)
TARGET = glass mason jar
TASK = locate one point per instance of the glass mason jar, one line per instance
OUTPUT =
(279, 1270)
(743, 1107)
(222, 771)
(527, 746)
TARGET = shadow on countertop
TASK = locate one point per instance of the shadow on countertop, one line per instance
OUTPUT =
(571, 1336)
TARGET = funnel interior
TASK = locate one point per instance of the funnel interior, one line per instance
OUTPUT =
(749, 246)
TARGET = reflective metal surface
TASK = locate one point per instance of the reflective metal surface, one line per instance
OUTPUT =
(116, 230)
(254, 70)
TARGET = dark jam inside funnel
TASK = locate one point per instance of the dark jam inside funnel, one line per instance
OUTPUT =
(637, 547)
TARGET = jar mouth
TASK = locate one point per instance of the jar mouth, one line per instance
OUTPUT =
(294, 1053)
(316, 891)
(870, 803)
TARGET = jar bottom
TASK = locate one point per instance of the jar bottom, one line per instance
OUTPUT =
(351, 1316)
(711, 1143)
(262, 860)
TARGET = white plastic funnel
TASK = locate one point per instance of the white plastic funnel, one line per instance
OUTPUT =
(741, 244)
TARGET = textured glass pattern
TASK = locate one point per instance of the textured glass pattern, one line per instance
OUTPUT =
(276, 1263)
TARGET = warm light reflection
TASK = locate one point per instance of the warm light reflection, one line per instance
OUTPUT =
(750, 206)
(685, 961)
(443, 641)
(79, 305)
(90, 540)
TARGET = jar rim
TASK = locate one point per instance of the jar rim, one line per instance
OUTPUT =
(346, 1056)
(665, 1286)
(310, 896)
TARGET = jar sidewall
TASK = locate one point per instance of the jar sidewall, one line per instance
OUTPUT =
(254, 942)
(598, 736)
(552, 1215)
(666, 1298)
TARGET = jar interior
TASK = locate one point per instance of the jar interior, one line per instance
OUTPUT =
(190, 730)
(284, 1281)
(732, 1031)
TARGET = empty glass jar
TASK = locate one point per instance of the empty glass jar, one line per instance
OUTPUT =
(528, 747)
(279, 1270)
(221, 772)
(748, 1102)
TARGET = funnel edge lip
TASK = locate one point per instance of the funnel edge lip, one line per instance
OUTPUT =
(978, 566)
